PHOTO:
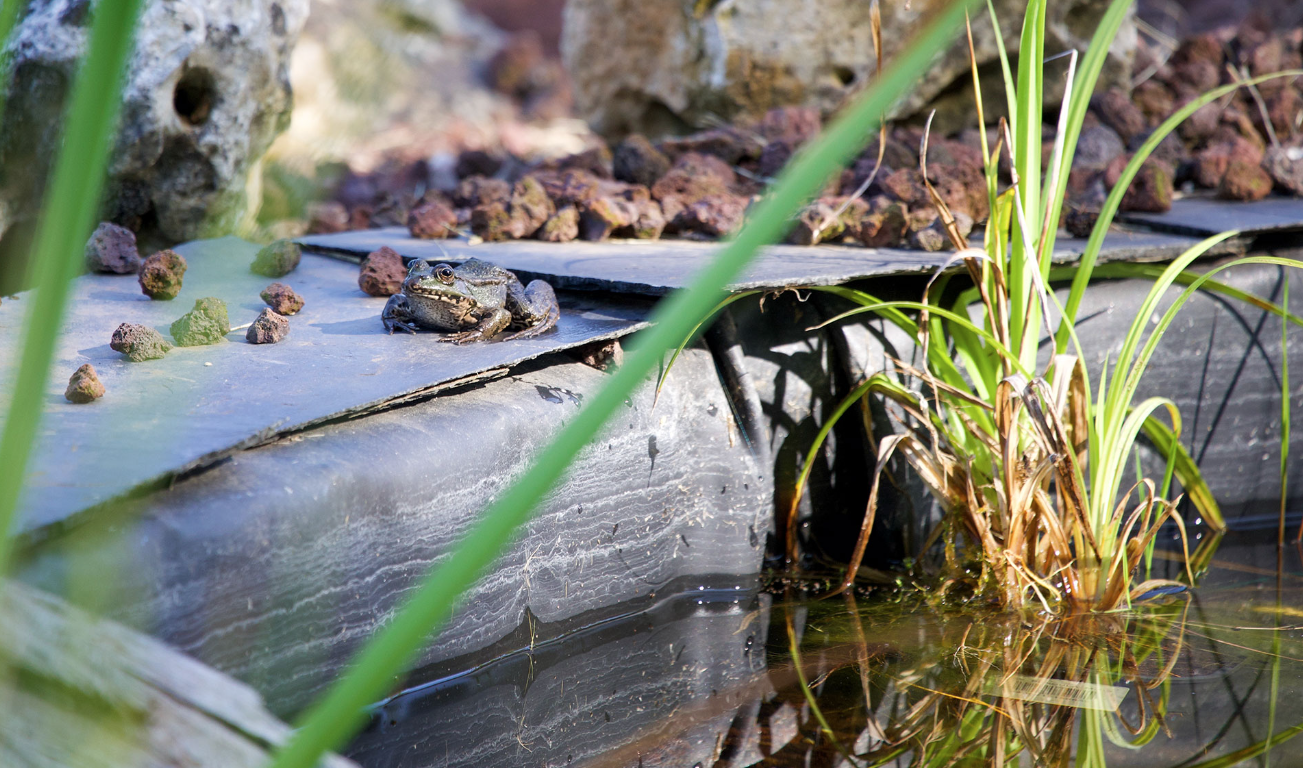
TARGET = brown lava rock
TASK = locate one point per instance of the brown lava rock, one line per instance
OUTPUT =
(282, 298)
(327, 218)
(207, 323)
(278, 259)
(1154, 100)
(1244, 181)
(906, 185)
(480, 190)
(712, 216)
(602, 216)
(432, 220)
(1211, 162)
(522, 216)
(1150, 191)
(692, 177)
(561, 227)
(112, 249)
(728, 144)
(793, 124)
(1080, 222)
(883, 228)
(84, 386)
(477, 162)
(638, 162)
(1097, 146)
(1115, 110)
(139, 342)
(389, 210)
(1285, 166)
(382, 273)
(269, 328)
(161, 275)
(568, 187)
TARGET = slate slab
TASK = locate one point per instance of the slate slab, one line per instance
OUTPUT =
(199, 404)
(1201, 216)
(656, 267)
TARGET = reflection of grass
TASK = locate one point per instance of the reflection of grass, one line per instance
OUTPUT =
(991, 690)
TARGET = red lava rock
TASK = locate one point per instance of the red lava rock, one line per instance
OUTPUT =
(775, 156)
(713, 215)
(1283, 109)
(84, 386)
(817, 222)
(638, 162)
(884, 228)
(1244, 181)
(1266, 57)
(359, 218)
(1115, 110)
(327, 218)
(139, 342)
(1097, 146)
(480, 190)
(161, 275)
(389, 210)
(906, 185)
(282, 298)
(477, 162)
(727, 144)
(520, 218)
(1285, 166)
(561, 227)
(382, 273)
(595, 160)
(693, 177)
(1080, 222)
(269, 328)
(112, 249)
(432, 220)
(1200, 126)
(1210, 164)
(650, 222)
(1155, 101)
(796, 125)
(1150, 191)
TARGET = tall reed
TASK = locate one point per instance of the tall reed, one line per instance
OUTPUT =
(68, 213)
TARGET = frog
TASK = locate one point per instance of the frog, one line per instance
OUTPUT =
(475, 301)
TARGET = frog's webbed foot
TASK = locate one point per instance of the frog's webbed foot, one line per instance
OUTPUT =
(397, 315)
(487, 329)
(539, 309)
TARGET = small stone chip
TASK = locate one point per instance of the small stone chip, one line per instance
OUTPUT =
(282, 298)
(161, 275)
(269, 328)
(139, 342)
(207, 323)
(278, 259)
(84, 386)
(112, 249)
(382, 272)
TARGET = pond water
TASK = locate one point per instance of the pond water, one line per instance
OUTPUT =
(727, 674)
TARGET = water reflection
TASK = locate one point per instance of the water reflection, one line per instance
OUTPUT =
(1199, 679)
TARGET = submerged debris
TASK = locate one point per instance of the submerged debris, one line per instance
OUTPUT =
(112, 249)
(139, 342)
(161, 275)
(278, 259)
(382, 273)
(207, 323)
(282, 298)
(84, 386)
(269, 328)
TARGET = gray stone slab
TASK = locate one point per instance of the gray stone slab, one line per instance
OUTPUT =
(200, 403)
(656, 267)
(1201, 216)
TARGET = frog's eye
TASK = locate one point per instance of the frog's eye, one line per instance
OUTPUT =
(444, 273)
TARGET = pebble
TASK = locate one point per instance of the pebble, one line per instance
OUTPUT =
(207, 323)
(112, 249)
(269, 328)
(84, 386)
(161, 275)
(139, 342)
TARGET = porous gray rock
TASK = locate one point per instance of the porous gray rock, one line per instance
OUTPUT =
(207, 91)
(683, 62)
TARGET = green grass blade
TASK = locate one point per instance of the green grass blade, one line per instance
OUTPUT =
(1026, 130)
(1284, 412)
(1087, 264)
(70, 209)
(1010, 89)
(1087, 76)
(1166, 442)
(333, 720)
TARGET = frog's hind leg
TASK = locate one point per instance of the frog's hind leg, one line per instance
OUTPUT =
(397, 314)
(485, 329)
(539, 308)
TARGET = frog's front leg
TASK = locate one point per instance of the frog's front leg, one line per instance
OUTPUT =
(535, 307)
(397, 314)
(487, 328)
